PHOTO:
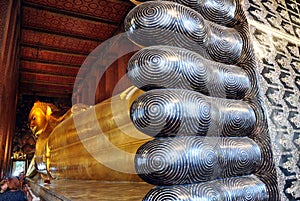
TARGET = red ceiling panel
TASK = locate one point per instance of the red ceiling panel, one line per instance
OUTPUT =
(48, 68)
(44, 78)
(40, 87)
(112, 10)
(57, 37)
(52, 56)
(58, 41)
(50, 21)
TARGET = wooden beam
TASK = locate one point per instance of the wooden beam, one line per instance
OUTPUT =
(53, 49)
(58, 42)
(48, 62)
(48, 90)
(53, 69)
(52, 56)
(24, 27)
(36, 78)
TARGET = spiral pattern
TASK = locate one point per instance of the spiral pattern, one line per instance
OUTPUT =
(168, 23)
(247, 188)
(179, 112)
(186, 160)
(172, 67)
(232, 117)
(218, 11)
(250, 189)
(238, 159)
(172, 193)
(174, 110)
(271, 182)
(158, 161)
(222, 49)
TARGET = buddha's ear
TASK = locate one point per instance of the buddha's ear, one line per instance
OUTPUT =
(48, 112)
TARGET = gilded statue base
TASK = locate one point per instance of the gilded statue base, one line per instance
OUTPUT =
(65, 189)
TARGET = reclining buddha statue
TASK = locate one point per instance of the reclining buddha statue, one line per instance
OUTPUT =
(60, 140)
(193, 125)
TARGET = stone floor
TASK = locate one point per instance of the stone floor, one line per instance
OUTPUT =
(89, 190)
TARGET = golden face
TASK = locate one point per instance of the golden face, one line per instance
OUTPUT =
(38, 121)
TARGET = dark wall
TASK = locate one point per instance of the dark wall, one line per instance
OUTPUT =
(9, 39)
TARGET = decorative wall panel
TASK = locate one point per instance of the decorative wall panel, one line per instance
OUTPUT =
(281, 15)
(276, 34)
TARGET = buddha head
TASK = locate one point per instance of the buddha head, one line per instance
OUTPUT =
(39, 117)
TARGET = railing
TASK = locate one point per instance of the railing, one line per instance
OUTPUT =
(29, 194)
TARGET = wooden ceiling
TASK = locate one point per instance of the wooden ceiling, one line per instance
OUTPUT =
(58, 35)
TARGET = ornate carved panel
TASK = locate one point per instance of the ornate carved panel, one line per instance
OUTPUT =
(277, 48)
(106, 9)
(51, 21)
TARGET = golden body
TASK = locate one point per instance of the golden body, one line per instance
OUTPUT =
(97, 142)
